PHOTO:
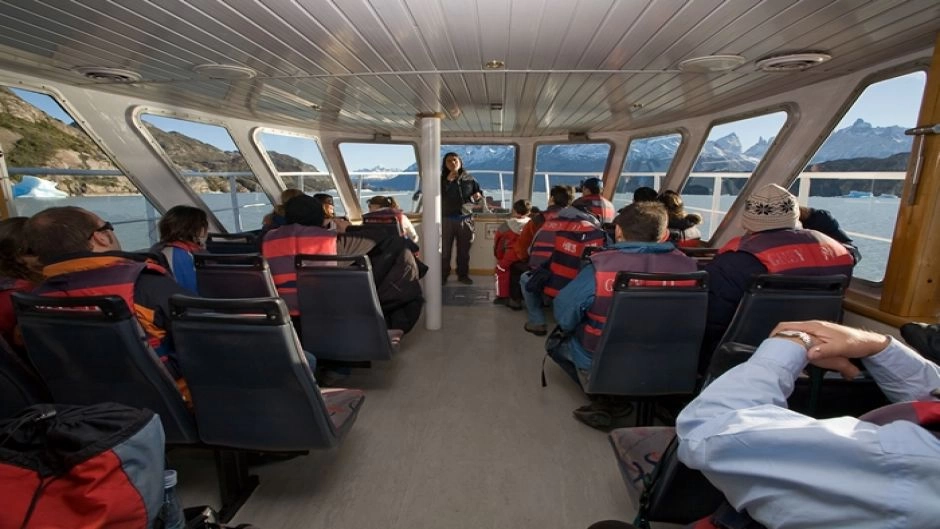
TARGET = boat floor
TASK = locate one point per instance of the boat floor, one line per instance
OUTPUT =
(456, 431)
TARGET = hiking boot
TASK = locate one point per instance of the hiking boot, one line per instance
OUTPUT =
(514, 304)
(501, 301)
(465, 280)
(538, 329)
(603, 417)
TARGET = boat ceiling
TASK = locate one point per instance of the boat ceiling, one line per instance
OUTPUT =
(370, 66)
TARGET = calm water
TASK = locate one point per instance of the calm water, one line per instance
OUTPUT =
(862, 217)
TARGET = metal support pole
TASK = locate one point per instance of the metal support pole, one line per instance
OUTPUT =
(7, 206)
(429, 152)
(236, 213)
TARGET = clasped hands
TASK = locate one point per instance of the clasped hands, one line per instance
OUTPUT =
(833, 345)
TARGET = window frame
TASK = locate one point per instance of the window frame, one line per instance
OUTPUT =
(535, 157)
(680, 151)
(413, 213)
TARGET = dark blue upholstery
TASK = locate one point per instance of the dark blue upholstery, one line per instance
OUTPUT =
(652, 337)
(19, 385)
(91, 349)
(250, 381)
(246, 242)
(340, 314)
(233, 276)
(771, 299)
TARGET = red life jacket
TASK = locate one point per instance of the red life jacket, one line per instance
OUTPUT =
(606, 265)
(385, 216)
(543, 244)
(598, 206)
(503, 241)
(795, 252)
(105, 275)
(281, 245)
(566, 261)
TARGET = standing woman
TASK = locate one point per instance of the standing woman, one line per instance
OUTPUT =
(183, 231)
(459, 190)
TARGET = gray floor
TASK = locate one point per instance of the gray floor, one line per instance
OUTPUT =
(457, 432)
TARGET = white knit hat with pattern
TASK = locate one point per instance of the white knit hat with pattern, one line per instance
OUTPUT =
(770, 208)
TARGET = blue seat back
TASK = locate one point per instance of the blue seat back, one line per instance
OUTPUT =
(651, 340)
(90, 350)
(233, 276)
(340, 314)
(249, 377)
(246, 242)
(773, 298)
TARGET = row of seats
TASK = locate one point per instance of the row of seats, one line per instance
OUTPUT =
(651, 341)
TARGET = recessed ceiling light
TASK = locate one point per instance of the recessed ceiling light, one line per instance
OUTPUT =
(792, 62)
(494, 64)
(711, 63)
(108, 75)
(224, 71)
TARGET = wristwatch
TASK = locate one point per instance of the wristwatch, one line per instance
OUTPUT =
(802, 336)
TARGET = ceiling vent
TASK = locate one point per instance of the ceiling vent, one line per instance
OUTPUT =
(224, 71)
(792, 62)
(108, 75)
(711, 63)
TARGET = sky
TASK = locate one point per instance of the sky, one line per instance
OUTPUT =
(889, 103)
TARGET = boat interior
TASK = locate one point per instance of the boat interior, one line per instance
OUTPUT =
(456, 429)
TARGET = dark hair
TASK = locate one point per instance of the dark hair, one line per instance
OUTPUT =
(286, 195)
(593, 185)
(383, 202)
(12, 247)
(673, 203)
(305, 210)
(642, 221)
(183, 223)
(562, 195)
(55, 232)
(645, 194)
(522, 206)
(445, 171)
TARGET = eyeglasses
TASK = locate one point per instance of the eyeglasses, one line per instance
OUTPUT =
(104, 227)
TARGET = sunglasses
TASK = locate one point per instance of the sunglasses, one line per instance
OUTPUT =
(104, 227)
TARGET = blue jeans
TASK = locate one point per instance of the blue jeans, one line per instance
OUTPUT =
(563, 356)
(533, 301)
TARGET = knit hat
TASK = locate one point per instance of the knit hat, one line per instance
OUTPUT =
(304, 210)
(770, 208)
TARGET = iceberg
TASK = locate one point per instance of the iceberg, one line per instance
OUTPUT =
(33, 187)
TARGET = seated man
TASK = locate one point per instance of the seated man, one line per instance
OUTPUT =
(581, 307)
(567, 234)
(394, 268)
(593, 202)
(773, 244)
(82, 257)
(787, 470)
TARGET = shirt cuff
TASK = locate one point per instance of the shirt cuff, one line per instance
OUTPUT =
(782, 353)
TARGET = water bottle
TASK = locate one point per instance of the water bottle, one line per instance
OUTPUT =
(173, 517)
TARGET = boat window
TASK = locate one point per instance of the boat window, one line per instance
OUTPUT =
(387, 169)
(209, 162)
(731, 153)
(52, 162)
(493, 167)
(299, 163)
(647, 163)
(858, 173)
(566, 164)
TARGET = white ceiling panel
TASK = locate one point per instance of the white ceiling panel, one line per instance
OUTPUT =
(372, 65)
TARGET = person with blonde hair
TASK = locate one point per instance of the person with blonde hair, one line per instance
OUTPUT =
(277, 217)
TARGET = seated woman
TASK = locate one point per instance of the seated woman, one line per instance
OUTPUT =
(277, 217)
(682, 226)
(183, 231)
(20, 271)
(382, 206)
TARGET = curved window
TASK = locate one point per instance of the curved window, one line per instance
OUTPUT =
(566, 164)
(299, 163)
(52, 162)
(730, 154)
(387, 169)
(209, 162)
(857, 175)
(647, 163)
